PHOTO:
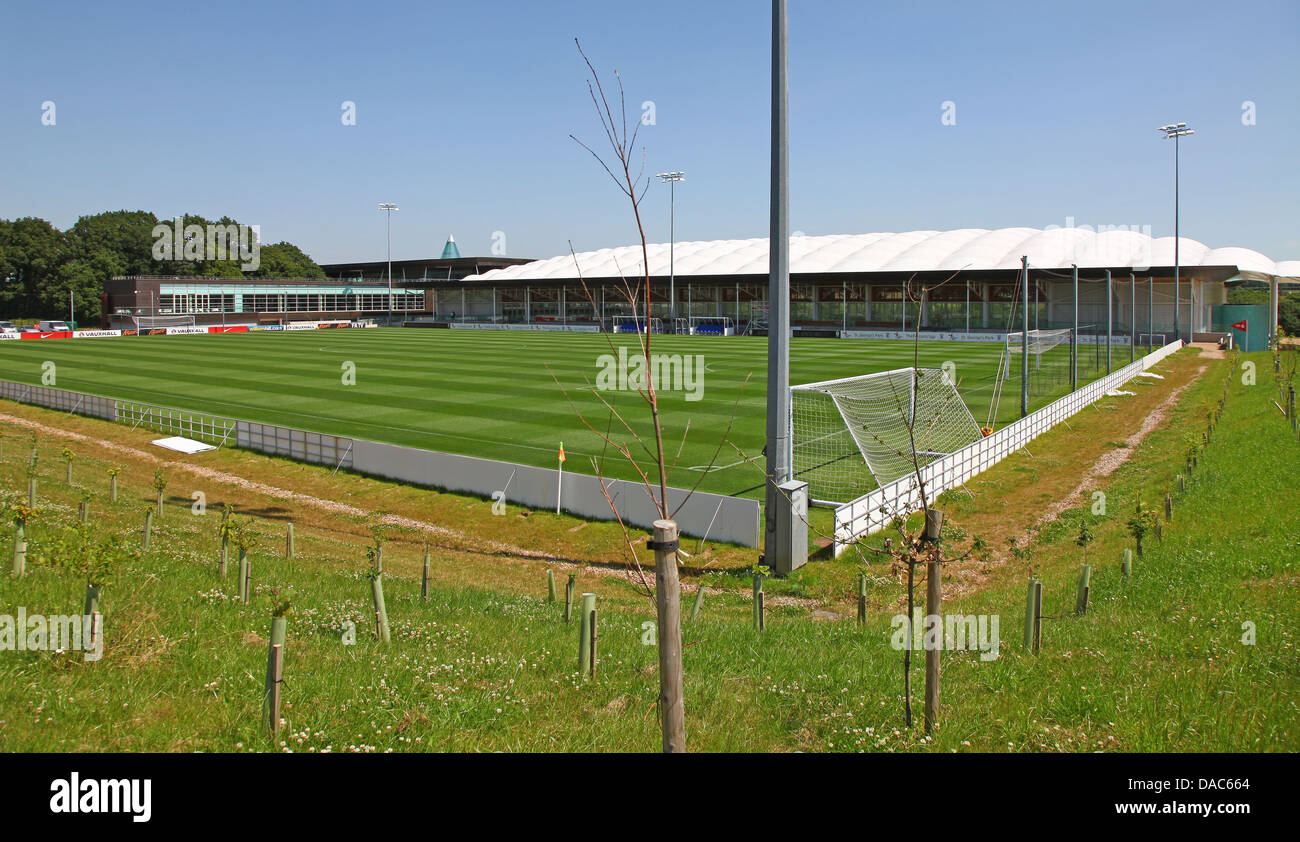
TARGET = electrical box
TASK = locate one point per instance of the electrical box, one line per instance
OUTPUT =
(790, 550)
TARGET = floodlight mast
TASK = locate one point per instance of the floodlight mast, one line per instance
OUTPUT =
(671, 179)
(1176, 131)
(389, 207)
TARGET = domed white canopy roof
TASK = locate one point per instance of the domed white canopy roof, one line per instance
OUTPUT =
(966, 249)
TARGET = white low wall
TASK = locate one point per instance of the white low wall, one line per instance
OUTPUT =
(875, 510)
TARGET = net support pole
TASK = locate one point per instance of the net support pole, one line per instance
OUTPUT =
(1024, 336)
(1151, 308)
(1074, 335)
(1109, 316)
(781, 557)
(1132, 316)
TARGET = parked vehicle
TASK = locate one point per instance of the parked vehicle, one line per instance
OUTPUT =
(8, 327)
(29, 329)
(54, 325)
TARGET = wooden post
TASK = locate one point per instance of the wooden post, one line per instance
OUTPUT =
(221, 560)
(1291, 408)
(160, 504)
(381, 611)
(568, 597)
(550, 585)
(248, 582)
(585, 614)
(1029, 615)
(1182, 484)
(933, 654)
(288, 542)
(112, 488)
(67, 477)
(20, 550)
(758, 602)
(1081, 592)
(862, 599)
(1169, 509)
(274, 680)
(148, 528)
(672, 709)
(83, 511)
(424, 577)
(698, 603)
(31, 492)
(1126, 566)
(274, 675)
(1038, 616)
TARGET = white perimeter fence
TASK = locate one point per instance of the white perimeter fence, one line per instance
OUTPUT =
(874, 510)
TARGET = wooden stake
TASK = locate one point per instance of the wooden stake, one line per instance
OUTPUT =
(758, 602)
(1038, 617)
(933, 654)
(1126, 566)
(424, 578)
(112, 488)
(248, 582)
(221, 560)
(550, 585)
(1182, 484)
(1081, 591)
(595, 659)
(862, 599)
(762, 611)
(288, 542)
(1169, 509)
(83, 511)
(31, 492)
(1029, 615)
(672, 708)
(585, 614)
(568, 598)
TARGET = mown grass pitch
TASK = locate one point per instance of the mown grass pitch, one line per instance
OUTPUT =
(504, 395)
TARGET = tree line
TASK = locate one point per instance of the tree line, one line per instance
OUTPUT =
(40, 265)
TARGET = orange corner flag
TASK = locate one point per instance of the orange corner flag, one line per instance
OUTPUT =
(561, 452)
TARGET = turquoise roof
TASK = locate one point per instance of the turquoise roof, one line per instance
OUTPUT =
(449, 251)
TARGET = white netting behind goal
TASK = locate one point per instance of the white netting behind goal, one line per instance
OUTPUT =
(148, 322)
(852, 435)
(1040, 341)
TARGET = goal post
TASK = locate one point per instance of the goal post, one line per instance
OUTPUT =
(854, 434)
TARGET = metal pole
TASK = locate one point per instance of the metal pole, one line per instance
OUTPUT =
(390, 268)
(672, 249)
(1151, 307)
(778, 332)
(1024, 337)
(1074, 338)
(1109, 315)
(1132, 316)
(1177, 335)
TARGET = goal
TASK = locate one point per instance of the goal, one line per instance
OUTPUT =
(851, 435)
(636, 324)
(161, 322)
(1151, 340)
(712, 326)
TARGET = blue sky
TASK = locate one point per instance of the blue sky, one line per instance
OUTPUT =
(464, 112)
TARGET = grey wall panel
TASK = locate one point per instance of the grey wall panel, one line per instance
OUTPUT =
(722, 518)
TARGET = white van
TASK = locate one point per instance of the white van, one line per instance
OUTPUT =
(54, 326)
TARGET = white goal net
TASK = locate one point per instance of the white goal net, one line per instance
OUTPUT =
(851, 435)
(154, 322)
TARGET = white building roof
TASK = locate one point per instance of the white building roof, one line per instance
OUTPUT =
(969, 249)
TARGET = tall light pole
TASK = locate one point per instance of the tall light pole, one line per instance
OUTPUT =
(1177, 130)
(389, 207)
(671, 179)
